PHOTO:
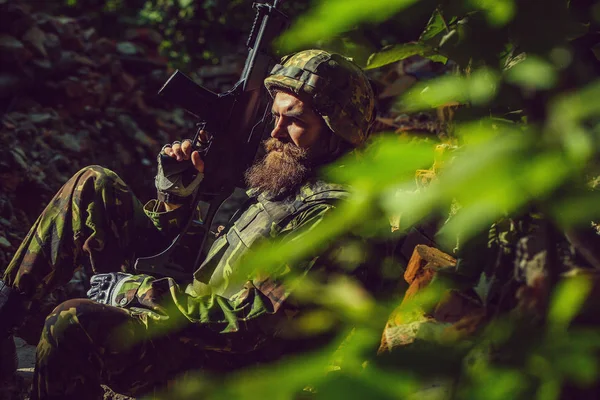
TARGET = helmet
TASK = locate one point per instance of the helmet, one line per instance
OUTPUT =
(340, 91)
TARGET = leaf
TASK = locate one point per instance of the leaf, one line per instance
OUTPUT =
(532, 72)
(330, 17)
(447, 37)
(386, 162)
(497, 12)
(397, 52)
(576, 209)
(268, 257)
(577, 106)
(482, 86)
(479, 88)
(435, 26)
(499, 183)
(567, 299)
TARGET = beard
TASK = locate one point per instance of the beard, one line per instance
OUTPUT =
(281, 170)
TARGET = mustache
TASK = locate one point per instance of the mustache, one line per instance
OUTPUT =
(289, 149)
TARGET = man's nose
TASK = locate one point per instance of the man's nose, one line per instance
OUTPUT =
(279, 130)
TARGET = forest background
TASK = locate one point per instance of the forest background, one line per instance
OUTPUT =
(488, 131)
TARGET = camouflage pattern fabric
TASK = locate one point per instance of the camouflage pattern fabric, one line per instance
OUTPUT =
(95, 224)
(210, 300)
(90, 226)
(85, 344)
(339, 89)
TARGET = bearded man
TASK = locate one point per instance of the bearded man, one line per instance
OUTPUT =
(135, 332)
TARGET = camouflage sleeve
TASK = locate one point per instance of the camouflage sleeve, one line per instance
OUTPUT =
(168, 222)
(252, 312)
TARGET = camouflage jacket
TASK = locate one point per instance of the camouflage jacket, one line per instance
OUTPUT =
(211, 302)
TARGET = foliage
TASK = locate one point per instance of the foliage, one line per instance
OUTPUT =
(526, 138)
(525, 133)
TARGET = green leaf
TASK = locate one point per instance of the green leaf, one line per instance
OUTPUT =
(542, 173)
(482, 86)
(479, 88)
(532, 72)
(435, 26)
(577, 106)
(397, 52)
(566, 301)
(330, 17)
(386, 162)
(497, 12)
(581, 367)
(497, 182)
(576, 209)
(268, 257)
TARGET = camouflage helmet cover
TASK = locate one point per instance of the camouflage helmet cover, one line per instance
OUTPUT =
(340, 91)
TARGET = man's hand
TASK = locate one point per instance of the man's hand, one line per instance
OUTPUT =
(182, 151)
(105, 287)
(173, 188)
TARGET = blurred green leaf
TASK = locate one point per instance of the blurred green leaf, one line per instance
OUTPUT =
(542, 173)
(502, 384)
(343, 386)
(387, 161)
(500, 186)
(576, 209)
(269, 257)
(533, 72)
(478, 89)
(566, 301)
(330, 17)
(580, 367)
(482, 86)
(498, 12)
(313, 322)
(578, 105)
(398, 52)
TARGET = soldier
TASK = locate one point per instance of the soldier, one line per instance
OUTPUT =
(137, 331)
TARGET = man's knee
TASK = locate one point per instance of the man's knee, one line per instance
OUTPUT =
(64, 318)
(83, 320)
(103, 177)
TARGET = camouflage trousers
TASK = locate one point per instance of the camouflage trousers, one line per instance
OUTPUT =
(94, 224)
(90, 226)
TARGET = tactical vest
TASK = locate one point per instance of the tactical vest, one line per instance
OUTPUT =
(260, 218)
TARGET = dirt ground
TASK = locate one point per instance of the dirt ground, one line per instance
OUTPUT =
(20, 387)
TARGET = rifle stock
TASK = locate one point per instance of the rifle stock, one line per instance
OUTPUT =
(236, 120)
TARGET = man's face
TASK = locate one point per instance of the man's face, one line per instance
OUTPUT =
(296, 122)
(299, 136)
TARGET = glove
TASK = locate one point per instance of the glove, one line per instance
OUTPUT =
(105, 287)
(175, 181)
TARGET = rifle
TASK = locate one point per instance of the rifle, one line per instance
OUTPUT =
(236, 120)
